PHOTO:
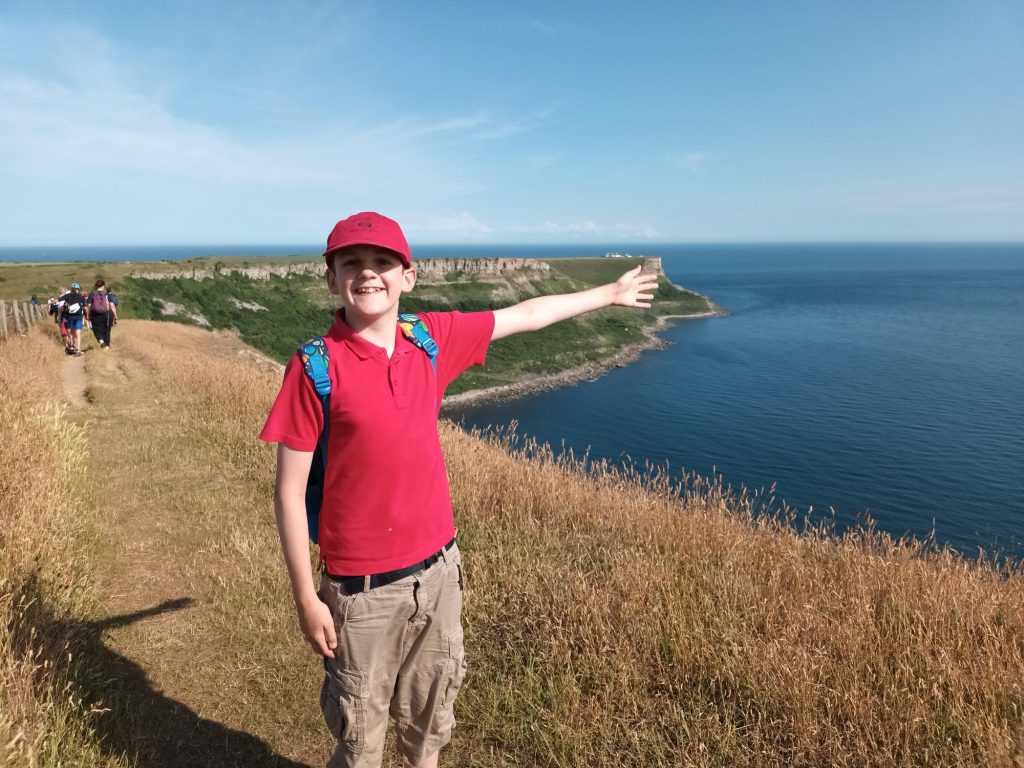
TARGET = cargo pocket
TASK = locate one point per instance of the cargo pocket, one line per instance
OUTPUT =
(456, 671)
(343, 703)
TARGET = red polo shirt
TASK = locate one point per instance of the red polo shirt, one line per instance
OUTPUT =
(386, 498)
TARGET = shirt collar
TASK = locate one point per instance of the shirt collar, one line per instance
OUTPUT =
(341, 332)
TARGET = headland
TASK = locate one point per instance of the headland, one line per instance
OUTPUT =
(274, 303)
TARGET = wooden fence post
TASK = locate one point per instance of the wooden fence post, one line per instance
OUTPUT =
(3, 317)
(17, 318)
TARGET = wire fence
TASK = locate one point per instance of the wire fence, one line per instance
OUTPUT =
(17, 316)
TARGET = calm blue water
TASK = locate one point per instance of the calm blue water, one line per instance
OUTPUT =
(880, 378)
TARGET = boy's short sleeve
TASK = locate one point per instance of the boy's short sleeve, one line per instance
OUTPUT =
(463, 338)
(296, 418)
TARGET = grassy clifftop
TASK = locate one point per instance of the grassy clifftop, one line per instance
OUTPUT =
(275, 304)
(612, 618)
(275, 313)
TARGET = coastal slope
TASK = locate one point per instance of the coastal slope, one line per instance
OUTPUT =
(275, 308)
(612, 617)
(276, 303)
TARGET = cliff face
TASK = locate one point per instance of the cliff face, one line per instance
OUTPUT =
(428, 271)
(653, 264)
(434, 271)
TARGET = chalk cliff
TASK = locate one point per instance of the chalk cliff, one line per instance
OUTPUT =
(428, 271)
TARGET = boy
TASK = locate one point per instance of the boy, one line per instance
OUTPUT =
(74, 318)
(387, 617)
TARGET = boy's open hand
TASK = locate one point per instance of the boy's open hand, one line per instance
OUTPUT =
(634, 289)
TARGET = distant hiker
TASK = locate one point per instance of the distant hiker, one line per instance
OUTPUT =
(73, 313)
(57, 310)
(102, 313)
(387, 616)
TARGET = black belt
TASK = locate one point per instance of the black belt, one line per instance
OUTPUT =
(352, 584)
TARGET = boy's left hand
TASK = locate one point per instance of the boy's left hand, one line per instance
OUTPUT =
(631, 290)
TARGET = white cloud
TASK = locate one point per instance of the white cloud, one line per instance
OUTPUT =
(637, 230)
(693, 162)
(115, 162)
(482, 125)
(574, 228)
(588, 228)
(538, 163)
(459, 223)
(409, 128)
(550, 29)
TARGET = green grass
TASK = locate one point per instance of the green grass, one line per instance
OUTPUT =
(20, 280)
(291, 315)
(594, 271)
(298, 306)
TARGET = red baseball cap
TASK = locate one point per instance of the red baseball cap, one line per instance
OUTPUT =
(369, 228)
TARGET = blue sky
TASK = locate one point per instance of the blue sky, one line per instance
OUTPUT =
(471, 122)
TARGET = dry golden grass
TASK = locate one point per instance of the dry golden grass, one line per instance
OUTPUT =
(43, 549)
(615, 621)
(611, 620)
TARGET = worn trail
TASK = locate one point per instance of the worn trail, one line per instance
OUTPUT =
(187, 665)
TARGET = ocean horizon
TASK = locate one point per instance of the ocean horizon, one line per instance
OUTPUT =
(179, 252)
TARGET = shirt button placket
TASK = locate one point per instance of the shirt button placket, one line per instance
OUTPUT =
(397, 390)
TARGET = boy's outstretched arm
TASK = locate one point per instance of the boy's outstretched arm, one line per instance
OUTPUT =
(631, 290)
(290, 503)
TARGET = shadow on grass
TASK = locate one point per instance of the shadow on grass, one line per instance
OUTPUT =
(138, 721)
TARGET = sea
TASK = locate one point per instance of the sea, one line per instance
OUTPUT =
(849, 382)
(852, 383)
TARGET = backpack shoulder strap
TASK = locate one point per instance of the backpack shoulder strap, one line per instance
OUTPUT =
(315, 359)
(416, 331)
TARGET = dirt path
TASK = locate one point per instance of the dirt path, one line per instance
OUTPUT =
(75, 382)
(183, 689)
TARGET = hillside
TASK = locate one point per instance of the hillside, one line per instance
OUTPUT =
(275, 304)
(611, 619)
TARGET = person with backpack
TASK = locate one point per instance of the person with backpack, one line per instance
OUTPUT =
(356, 427)
(73, 314)
(57, 310)
(102, 313)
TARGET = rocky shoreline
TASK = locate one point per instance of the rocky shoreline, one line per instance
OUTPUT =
(585, 372)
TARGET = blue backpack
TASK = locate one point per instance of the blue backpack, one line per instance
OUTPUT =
(315, 362)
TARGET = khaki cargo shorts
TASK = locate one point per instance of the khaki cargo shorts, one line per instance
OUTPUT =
(399, 654)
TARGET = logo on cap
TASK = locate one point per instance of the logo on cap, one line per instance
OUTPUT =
(369, 228)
